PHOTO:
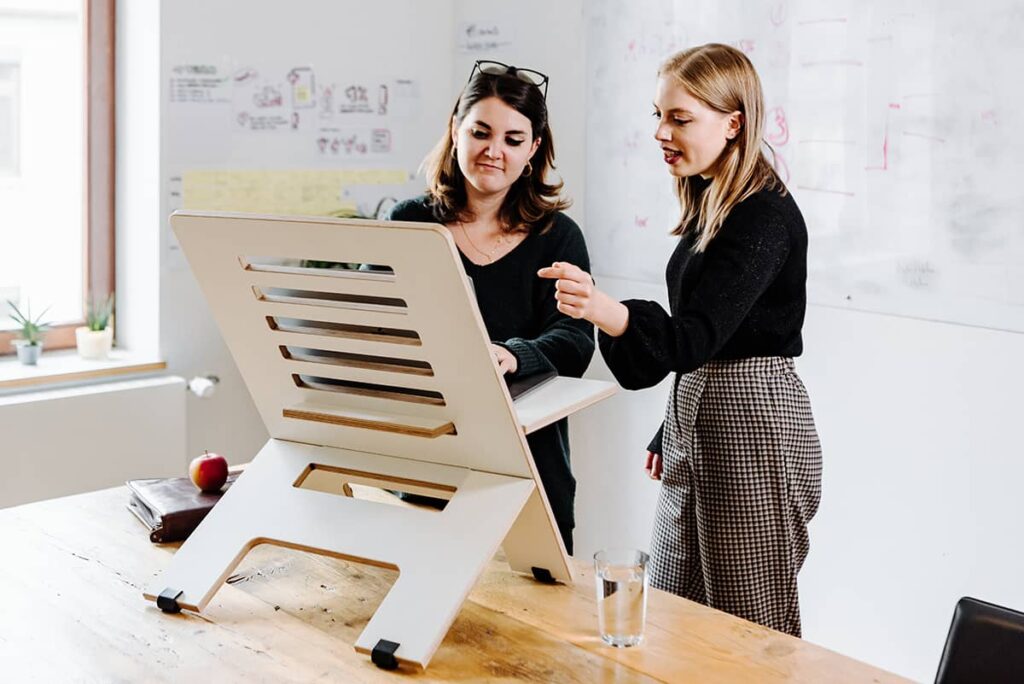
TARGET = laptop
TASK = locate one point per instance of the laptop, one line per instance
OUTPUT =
(519, 386)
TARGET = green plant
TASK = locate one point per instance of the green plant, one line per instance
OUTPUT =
(377, 214)
(31, 328)
(98, 315)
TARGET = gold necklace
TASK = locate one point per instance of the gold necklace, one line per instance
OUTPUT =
(489, 255)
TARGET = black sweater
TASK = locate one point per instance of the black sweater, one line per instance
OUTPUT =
(519, 312)
(743, 297)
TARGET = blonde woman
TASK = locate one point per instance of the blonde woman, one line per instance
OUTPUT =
(737, 455)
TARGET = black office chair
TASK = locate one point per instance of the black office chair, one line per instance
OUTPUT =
(985, 645)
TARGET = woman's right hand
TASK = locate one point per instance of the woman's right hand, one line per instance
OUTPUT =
(653, 465)
(577, 297)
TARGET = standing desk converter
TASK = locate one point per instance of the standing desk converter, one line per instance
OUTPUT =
(366, 356)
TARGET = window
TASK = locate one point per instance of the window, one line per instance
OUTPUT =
(9, 107)
(56, 161)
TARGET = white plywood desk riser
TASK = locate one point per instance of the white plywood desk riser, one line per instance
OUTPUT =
(379, 375)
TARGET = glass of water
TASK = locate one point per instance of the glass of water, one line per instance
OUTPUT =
(621, 578)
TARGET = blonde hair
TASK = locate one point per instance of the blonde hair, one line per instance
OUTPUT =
(724, 80)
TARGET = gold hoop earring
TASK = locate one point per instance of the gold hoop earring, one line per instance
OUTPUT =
(454, 153)
(527, 171)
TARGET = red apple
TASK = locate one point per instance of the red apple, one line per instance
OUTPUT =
(209, 472)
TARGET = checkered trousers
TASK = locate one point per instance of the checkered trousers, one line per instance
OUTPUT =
(741, 479)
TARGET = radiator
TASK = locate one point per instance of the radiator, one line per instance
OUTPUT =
(67, 441)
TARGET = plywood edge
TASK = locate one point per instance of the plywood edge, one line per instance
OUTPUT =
(560, 398)
(383, 422)
(43, 380)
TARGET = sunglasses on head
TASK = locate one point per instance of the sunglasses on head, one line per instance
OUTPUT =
(491, 68)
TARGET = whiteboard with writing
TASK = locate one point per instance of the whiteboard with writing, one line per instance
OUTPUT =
(304, 108)
(893, 126)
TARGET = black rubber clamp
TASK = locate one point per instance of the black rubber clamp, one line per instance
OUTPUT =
(543, 575)
(167, 601)
(383, 655)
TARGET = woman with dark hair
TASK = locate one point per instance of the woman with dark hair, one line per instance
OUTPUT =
(488, 185)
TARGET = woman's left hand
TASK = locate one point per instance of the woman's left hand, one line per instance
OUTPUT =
(653, 465)
(507, 361)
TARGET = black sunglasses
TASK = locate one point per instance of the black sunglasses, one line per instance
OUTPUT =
(491, 68)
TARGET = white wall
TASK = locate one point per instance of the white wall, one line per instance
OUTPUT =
(137, 192)
(68, 441)
(922, 484)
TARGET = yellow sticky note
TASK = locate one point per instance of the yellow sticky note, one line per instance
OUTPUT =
(309, 193)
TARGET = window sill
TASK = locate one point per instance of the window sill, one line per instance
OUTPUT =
(66, 367)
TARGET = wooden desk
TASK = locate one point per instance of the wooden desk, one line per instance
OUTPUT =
(71, 609)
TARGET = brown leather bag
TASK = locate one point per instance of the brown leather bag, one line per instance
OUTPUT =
(171, 507)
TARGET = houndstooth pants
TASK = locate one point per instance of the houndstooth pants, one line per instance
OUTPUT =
(741, 479)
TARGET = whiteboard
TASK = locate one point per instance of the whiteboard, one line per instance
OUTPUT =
(894, 128)
(306, 107)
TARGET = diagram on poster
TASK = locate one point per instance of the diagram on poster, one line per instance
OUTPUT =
(334, 118)
(199, 84)
(290, 139)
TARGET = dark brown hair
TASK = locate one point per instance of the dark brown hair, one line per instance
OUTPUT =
(531, 202)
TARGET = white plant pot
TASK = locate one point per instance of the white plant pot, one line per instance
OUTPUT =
(94, 344)
(28, 354)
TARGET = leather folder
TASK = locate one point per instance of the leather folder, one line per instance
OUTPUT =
(171, 507)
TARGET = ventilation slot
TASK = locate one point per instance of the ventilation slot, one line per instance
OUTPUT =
(362, 485)
(363, 361)
(313, 267)
(336, 300)
(367, 389)
(366, 333)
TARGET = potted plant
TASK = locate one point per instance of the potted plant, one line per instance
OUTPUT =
(95, 338)
(30, 344)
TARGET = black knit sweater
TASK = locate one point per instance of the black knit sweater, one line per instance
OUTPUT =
(519, 312)
(743, 297)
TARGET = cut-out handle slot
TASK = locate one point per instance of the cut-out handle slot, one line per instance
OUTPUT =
(366, 333)
(336, 300)
(362, 361)
(372, 420)
(369, 389)
(347, 482)
(314, 267)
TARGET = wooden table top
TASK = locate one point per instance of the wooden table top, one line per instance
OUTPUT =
(71, 609)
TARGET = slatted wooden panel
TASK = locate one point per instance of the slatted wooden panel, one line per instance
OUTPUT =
(438, 306)
(259, 304)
